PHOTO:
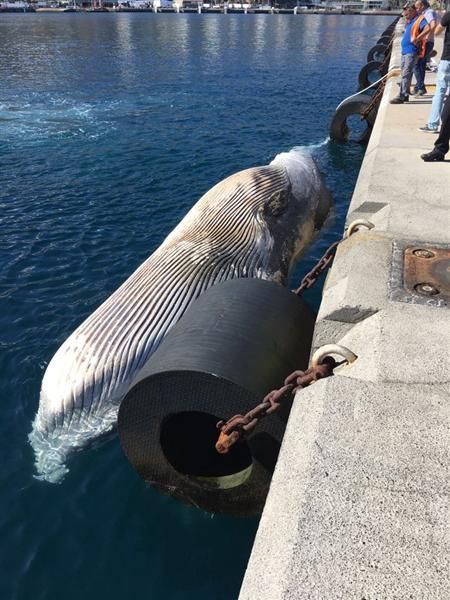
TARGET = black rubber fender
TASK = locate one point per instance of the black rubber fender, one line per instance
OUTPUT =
(377, 52)
(389, 30)
(233, 345)
(372, 66)
(385, 40)
(339, 131)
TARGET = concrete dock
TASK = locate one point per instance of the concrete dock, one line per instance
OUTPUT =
(359, 502)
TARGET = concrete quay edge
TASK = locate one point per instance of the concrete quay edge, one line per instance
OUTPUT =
(359, 505)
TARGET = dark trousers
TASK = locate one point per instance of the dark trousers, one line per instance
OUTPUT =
(442, 143)
(419, 69)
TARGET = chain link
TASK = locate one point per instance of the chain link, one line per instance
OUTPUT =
(240, 425)
(310, 278)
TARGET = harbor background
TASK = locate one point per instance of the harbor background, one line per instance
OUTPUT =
(111, 130)
(375, 7)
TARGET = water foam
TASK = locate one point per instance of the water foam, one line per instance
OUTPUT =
(312, 146)
(38, 119)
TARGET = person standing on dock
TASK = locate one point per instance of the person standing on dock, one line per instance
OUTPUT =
(423, 8)
(443, 78)
(415, 25)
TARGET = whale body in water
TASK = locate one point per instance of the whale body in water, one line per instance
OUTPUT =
(254, 224)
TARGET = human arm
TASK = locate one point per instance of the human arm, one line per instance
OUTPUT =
(432, 25)
(424, 33)
(445, 22)
(432, 19)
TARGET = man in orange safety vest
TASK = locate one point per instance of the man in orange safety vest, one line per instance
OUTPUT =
(411, 50)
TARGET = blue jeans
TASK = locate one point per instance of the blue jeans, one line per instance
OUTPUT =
(442, 84)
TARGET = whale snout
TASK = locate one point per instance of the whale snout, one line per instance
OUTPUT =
(311, 200)
(307, 183)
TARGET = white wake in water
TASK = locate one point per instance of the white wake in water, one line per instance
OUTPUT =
(311, 147)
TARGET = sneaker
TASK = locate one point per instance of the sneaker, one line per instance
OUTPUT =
(419, 93)
(428, 129)
(399, 100)
(434, 155)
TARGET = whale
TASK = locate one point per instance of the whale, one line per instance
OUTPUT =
(255, 223)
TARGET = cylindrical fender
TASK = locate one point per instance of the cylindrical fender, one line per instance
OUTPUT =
(390, 28)
(235, 343)
(373, 66)
(339, 130)
(388, 31)
(378, 52)
(384, 40)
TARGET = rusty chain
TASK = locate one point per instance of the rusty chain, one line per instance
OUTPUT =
(387, 55)
(322, 265)
(376, 98)
(240, 425)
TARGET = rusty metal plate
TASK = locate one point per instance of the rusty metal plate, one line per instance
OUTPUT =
(420, 274)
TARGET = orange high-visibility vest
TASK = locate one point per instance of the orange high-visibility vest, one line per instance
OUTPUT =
(415, 31)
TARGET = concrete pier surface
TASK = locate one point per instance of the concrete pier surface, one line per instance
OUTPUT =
(359, 501)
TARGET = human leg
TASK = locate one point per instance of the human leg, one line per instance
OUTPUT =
(419, 74)
(419, 69)
(442, 83)
(400, 98)
(441, 145)
(408, 62)
(429, 47)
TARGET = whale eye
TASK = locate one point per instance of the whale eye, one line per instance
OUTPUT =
(277, 204)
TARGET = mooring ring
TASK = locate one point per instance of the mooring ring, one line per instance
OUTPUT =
(328, 349)
(354, 225)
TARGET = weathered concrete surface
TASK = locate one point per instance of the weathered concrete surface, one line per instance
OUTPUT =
(360, 498)
(359, 506)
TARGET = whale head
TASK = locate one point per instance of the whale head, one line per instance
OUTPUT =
(300, 212)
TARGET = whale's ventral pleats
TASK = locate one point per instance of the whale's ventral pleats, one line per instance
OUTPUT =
(254, 224)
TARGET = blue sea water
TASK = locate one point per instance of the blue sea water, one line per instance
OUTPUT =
(111, 127)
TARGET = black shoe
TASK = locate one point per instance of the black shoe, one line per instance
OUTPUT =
(434, 155)
(399, 100)
(428, 129)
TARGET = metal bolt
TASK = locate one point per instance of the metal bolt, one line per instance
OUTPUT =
(423, 253)
(426, 289)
